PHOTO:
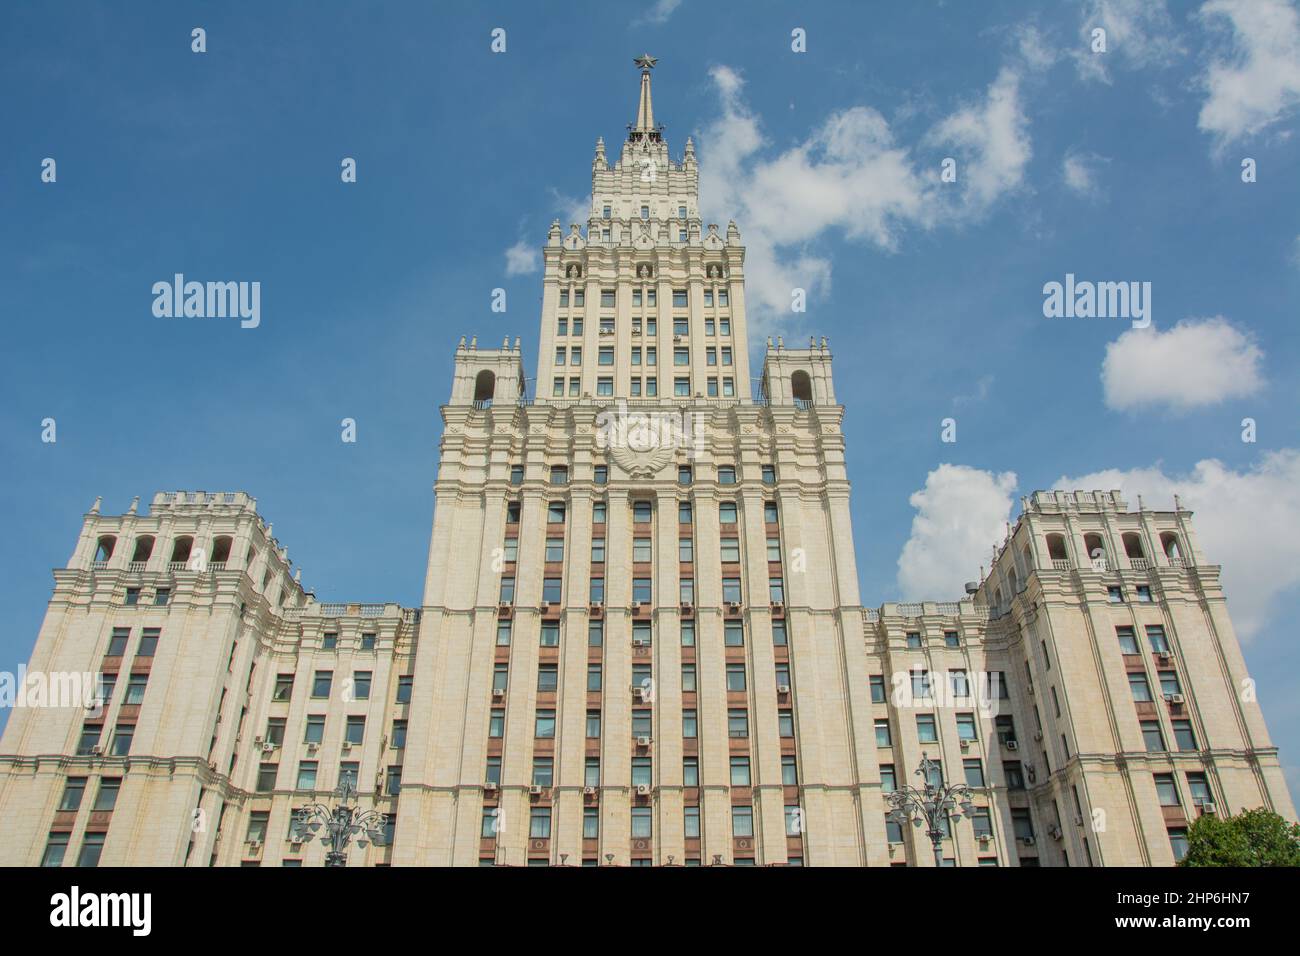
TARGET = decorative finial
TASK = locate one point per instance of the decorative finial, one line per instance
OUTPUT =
(135, 505)
(94, 509)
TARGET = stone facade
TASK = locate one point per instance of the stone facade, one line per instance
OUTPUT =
(641, 639)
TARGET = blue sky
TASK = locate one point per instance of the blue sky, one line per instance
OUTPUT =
(1122, 165)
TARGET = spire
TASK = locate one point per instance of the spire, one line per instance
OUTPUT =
(645, 129)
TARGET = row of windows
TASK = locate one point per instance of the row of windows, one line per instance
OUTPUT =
(647, 294)
(642, 591)
(357, 687)
(643, 509)
(647, 387)
(309, 774)
(605, 355)
(642, 823)
(575, 326)
(642, 550)
(733, 633)
(559, 475)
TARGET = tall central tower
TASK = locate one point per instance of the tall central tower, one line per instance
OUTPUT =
(621, 646)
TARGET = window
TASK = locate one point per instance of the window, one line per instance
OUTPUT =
(690, 725)
(497, 723)
(1156, 638)
(503, 633)
(685, 550)
(731, 590)
(726, 475)
(776, 590)
(132, 597)
(1151, 734)
(314, 732)
(641, 592)
(926, 731)
(539, 823)
(321, 683)
(595, 633)
(590, 823)
(355, 730)
(596, 591)
(550, 634)
(92, 845)
(1012, 770)
(951, 639)
(1138, 685)
(162, 596)
(122, 737)
(399, 735)
(642, 510)
(148, 642)
(778, 633)
(974, 770)
(543, 771)
(73, 791)
(545, 725)
(959, 682)
(117, 643)
(981, 824)
(737, 722)
(493, 772)
(679, 298)
(733, 634)
(593, 677)
(1127, 642)
(500, 676)
(683, 512)
(742, 822)
(691, 823)
(966, 727)
(1166, 790)
(877, 688)
(1178, 842)
(641, 549)
(361, 685)
(601, 474)
(555, 549)
(306, 775)
(735, 677)
(404, 684)
(1115, 594)
(551, 588)
(740, 771)
(1183, 735)
(1199, 788)
(690, 771)
(56, 849)
(593, 724)
(688, 633)
(882, 732)
(785, 723)
(641, 771)
(893, 830)
(329, 642)
(548, 678)
(913, 640)
(135, 687)
(730, 548)
(774, 549)
(555, 512)
(1143, 594)
(598, 512)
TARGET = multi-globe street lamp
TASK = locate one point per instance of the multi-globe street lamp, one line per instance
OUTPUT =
(341, 824)
(930, 805)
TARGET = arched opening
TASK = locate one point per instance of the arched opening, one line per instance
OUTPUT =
(485, 386)
(997, 600)
(1095, 548)
(181, 549)
(1133, 545)
(1027, 557)
(221, 549)
(1013, 582)
(104, 548)
(801, 386)
(1169, 544)
(143, 549)
(1056, 547)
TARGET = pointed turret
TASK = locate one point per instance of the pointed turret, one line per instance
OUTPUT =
(645, 130)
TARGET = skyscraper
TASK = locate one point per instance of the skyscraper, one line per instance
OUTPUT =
(641, 639)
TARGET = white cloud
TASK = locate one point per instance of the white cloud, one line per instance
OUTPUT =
(1196, 363)
(1247, 521)
(1079, 172)
(1139, 33)
(849, 175)
(659, 12)
(960, 514)
(1034, 48)
(1257, 81)
(522, 259)
(994, 137)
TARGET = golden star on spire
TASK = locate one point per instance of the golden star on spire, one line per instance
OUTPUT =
(646, 61)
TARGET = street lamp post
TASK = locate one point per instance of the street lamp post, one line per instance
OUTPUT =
(928, 806)
(341, 824)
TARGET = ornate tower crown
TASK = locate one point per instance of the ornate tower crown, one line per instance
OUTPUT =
(645, 131)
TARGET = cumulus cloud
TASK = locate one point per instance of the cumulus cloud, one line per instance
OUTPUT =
(1139, 33)
(659, 12)
(521, 259)
(849, 175)
(1248, 521)
(960, 514)
(1256, 81)
(1198, 362)
(1079, 172)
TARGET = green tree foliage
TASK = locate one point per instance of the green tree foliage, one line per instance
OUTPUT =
(1257, 837)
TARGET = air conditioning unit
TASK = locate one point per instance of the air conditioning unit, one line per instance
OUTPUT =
(783, 688)
(257, 740)
(984, 838)
(498, 693)
(1012, 744)
(313, 747)
(596, 607)
(489, 787)
(1165, 657)
(535, 790)
(778, 605)
(965, 745)
(1056, 833)
(255, 845)
(733, 606)
(637, 606)
(687, 607)
(1177, 699)
(642, 789)
(1078, 821)
(643, 741)
(638, 693)
(1209, 807)
(95, 704)
(268, 747)
(1028, 841)
(347, 745)
(588, 791)
(638, 642)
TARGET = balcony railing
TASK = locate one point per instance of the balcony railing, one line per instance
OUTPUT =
(1061, 564)
(1139, 564)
